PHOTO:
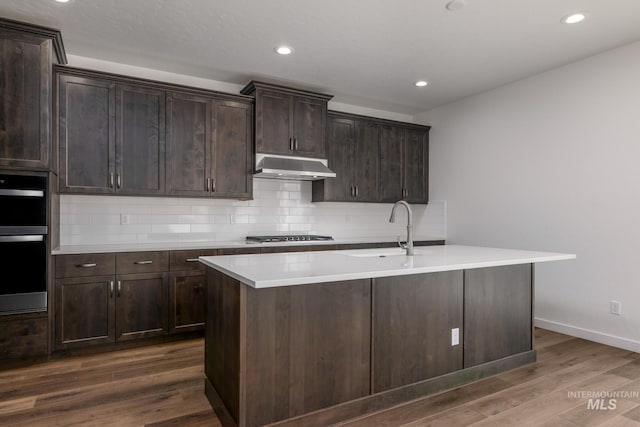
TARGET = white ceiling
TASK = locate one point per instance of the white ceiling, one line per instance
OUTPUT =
(365, 52)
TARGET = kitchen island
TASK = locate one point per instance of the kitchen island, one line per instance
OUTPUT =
(315, 338)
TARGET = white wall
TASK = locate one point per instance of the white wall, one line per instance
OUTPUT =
(552, 163)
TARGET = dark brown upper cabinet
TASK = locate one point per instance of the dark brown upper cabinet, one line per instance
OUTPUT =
(189, 145)
(111, 137)
(87, 135)
(375, 160)
(353, 154)
(391, 162)
(210, 147)
(126, 136)
(27, 53)
(232, 166)
(289, 121)
(416, 166)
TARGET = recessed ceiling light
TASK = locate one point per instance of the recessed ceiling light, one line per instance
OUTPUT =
(574, 18)
(456, 5)
(62, 1)
(283, 50)
(421, 83)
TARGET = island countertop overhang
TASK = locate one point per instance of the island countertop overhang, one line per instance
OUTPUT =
(295, 268)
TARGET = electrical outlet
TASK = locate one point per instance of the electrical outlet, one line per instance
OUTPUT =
(125, 219)
(455, 336)
(615, 307)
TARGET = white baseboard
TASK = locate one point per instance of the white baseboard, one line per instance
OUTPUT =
(590, 335)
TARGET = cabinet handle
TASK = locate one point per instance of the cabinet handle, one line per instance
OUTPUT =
(356, 191)
(192, 260)
(295, 144)
(88, 265)
(208, 185)
(143, 262)
(197, 287)
(290, 144)
(111, 289)
(118, 181)
(119, 287)
(213, 185)
(110, 179)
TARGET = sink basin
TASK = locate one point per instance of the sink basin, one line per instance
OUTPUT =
(382, 253)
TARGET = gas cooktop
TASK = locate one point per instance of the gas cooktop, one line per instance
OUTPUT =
(288, 238)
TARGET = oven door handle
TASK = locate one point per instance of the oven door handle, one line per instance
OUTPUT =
(24, 238)
(22, 193)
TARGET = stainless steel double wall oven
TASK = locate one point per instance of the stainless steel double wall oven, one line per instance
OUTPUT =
(23, 243)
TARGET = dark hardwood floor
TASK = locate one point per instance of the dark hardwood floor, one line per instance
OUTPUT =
(162, 385)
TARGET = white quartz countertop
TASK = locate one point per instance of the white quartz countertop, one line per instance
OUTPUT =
(296, 268)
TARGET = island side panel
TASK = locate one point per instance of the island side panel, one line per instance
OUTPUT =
(412, 321)
(497, 312)
(307, 347)
(222, 340)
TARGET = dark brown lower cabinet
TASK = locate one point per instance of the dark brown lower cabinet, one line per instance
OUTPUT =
(413, 317)
(23, 336)
(303, 347)
(497, 312)
(186, 301)
(105, 309)
(141, 305)
(85, 311)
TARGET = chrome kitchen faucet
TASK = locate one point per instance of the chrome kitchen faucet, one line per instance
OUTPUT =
(409, 245)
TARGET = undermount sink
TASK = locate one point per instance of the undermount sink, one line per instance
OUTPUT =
(382, 253)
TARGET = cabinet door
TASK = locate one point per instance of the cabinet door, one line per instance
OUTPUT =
(391, 173)
(274, 122)
(497, 313)
(186, 301)
(140, 141)
(87, 135)
(233, 152)
(25, 95)
(366, 163)
(188, 145)
(340, 150)
(141, 305)
(309, 125)
(416, 166)
(412, 321)
(84, 311)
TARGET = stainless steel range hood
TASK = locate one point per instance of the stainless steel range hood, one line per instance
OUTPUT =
(295, 168)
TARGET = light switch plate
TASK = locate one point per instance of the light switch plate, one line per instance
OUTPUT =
(455, 336)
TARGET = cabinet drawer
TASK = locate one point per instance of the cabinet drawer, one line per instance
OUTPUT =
(142, 262)
(85, 265)
(188, 260)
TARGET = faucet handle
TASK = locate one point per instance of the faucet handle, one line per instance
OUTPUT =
(402, 245)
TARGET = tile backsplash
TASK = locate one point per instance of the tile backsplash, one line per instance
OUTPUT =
(278, 207)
